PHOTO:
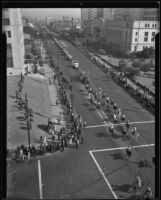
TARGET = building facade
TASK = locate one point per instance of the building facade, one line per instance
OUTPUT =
(131, 36)
(12, 26)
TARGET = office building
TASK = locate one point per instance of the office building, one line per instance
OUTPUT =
(13, 27)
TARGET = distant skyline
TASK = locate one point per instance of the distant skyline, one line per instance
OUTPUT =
(42, 13)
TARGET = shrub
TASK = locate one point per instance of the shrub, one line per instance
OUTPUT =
(148, 53)
(146, 67)
(137, 64)
(122, 63)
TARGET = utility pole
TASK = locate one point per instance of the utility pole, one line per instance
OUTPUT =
(27, 118)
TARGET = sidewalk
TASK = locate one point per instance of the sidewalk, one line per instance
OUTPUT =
(54, 96)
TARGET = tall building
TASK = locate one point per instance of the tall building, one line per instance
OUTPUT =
(139, 14)
(131, 36)
(108, 13)
(132, 29)
(90, 18)
(13, 27)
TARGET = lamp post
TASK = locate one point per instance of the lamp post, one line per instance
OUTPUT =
(27, 119)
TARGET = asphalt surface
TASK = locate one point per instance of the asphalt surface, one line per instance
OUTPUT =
(73, 173)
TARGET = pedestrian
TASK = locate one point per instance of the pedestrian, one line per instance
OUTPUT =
(76, 142)
(28, 154)
(21, 154)
(49, 81)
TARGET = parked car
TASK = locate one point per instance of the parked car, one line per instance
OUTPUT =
(75, 64)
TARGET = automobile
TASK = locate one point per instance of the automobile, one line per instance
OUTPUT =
(84, 78)
(75, 64)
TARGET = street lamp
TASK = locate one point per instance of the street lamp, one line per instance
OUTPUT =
(27, 114)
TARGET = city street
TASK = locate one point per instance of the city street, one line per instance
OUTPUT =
(86, 172)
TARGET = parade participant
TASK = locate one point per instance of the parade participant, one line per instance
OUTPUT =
(135, 133)
(99, 104)
(148, 193)
(127, 125)
(124, 132)
(90, 90)
(137, 183)
(111, 129)
(115, 106)
(123, 117)
(107, 100)
(87, 86)
(100, 90)
(129, 152)
(115, 118)
(104, 95)
(119, 113)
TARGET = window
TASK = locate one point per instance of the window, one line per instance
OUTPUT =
(136, 39)
(9, 56)
(145, 25)
(146, 33)
(5, 21)
(9, 34)
(155, 25)
(152, 25)
(136, 33)
(145, 39)
(135, 48)
(153, 33)
(9, 46)
(148, 25)
(152, 39)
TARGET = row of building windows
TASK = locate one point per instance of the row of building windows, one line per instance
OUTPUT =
(148, 25)
(144, 47)
(5, 22)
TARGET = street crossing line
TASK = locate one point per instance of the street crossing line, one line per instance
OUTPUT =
(119, 148)
(112, 149)
(103, 175)
(141, 122)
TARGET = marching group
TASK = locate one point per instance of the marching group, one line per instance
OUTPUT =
(100, 100)
(140, 92)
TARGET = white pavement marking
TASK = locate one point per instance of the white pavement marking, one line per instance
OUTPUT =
(40, 181)
(118, 148)
(103, 175)
(141, 122)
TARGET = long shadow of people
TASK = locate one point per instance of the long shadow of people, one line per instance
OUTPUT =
(122, 188)
(117, 156)
(43, 127)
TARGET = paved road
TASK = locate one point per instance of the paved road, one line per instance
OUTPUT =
(73, 173)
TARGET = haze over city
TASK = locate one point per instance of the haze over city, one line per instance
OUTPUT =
(42, 13)
(80, 103)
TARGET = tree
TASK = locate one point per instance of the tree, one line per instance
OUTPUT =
(146, 67)
(122, 63)
(131, 71)
(137, 64)
(148, 53)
